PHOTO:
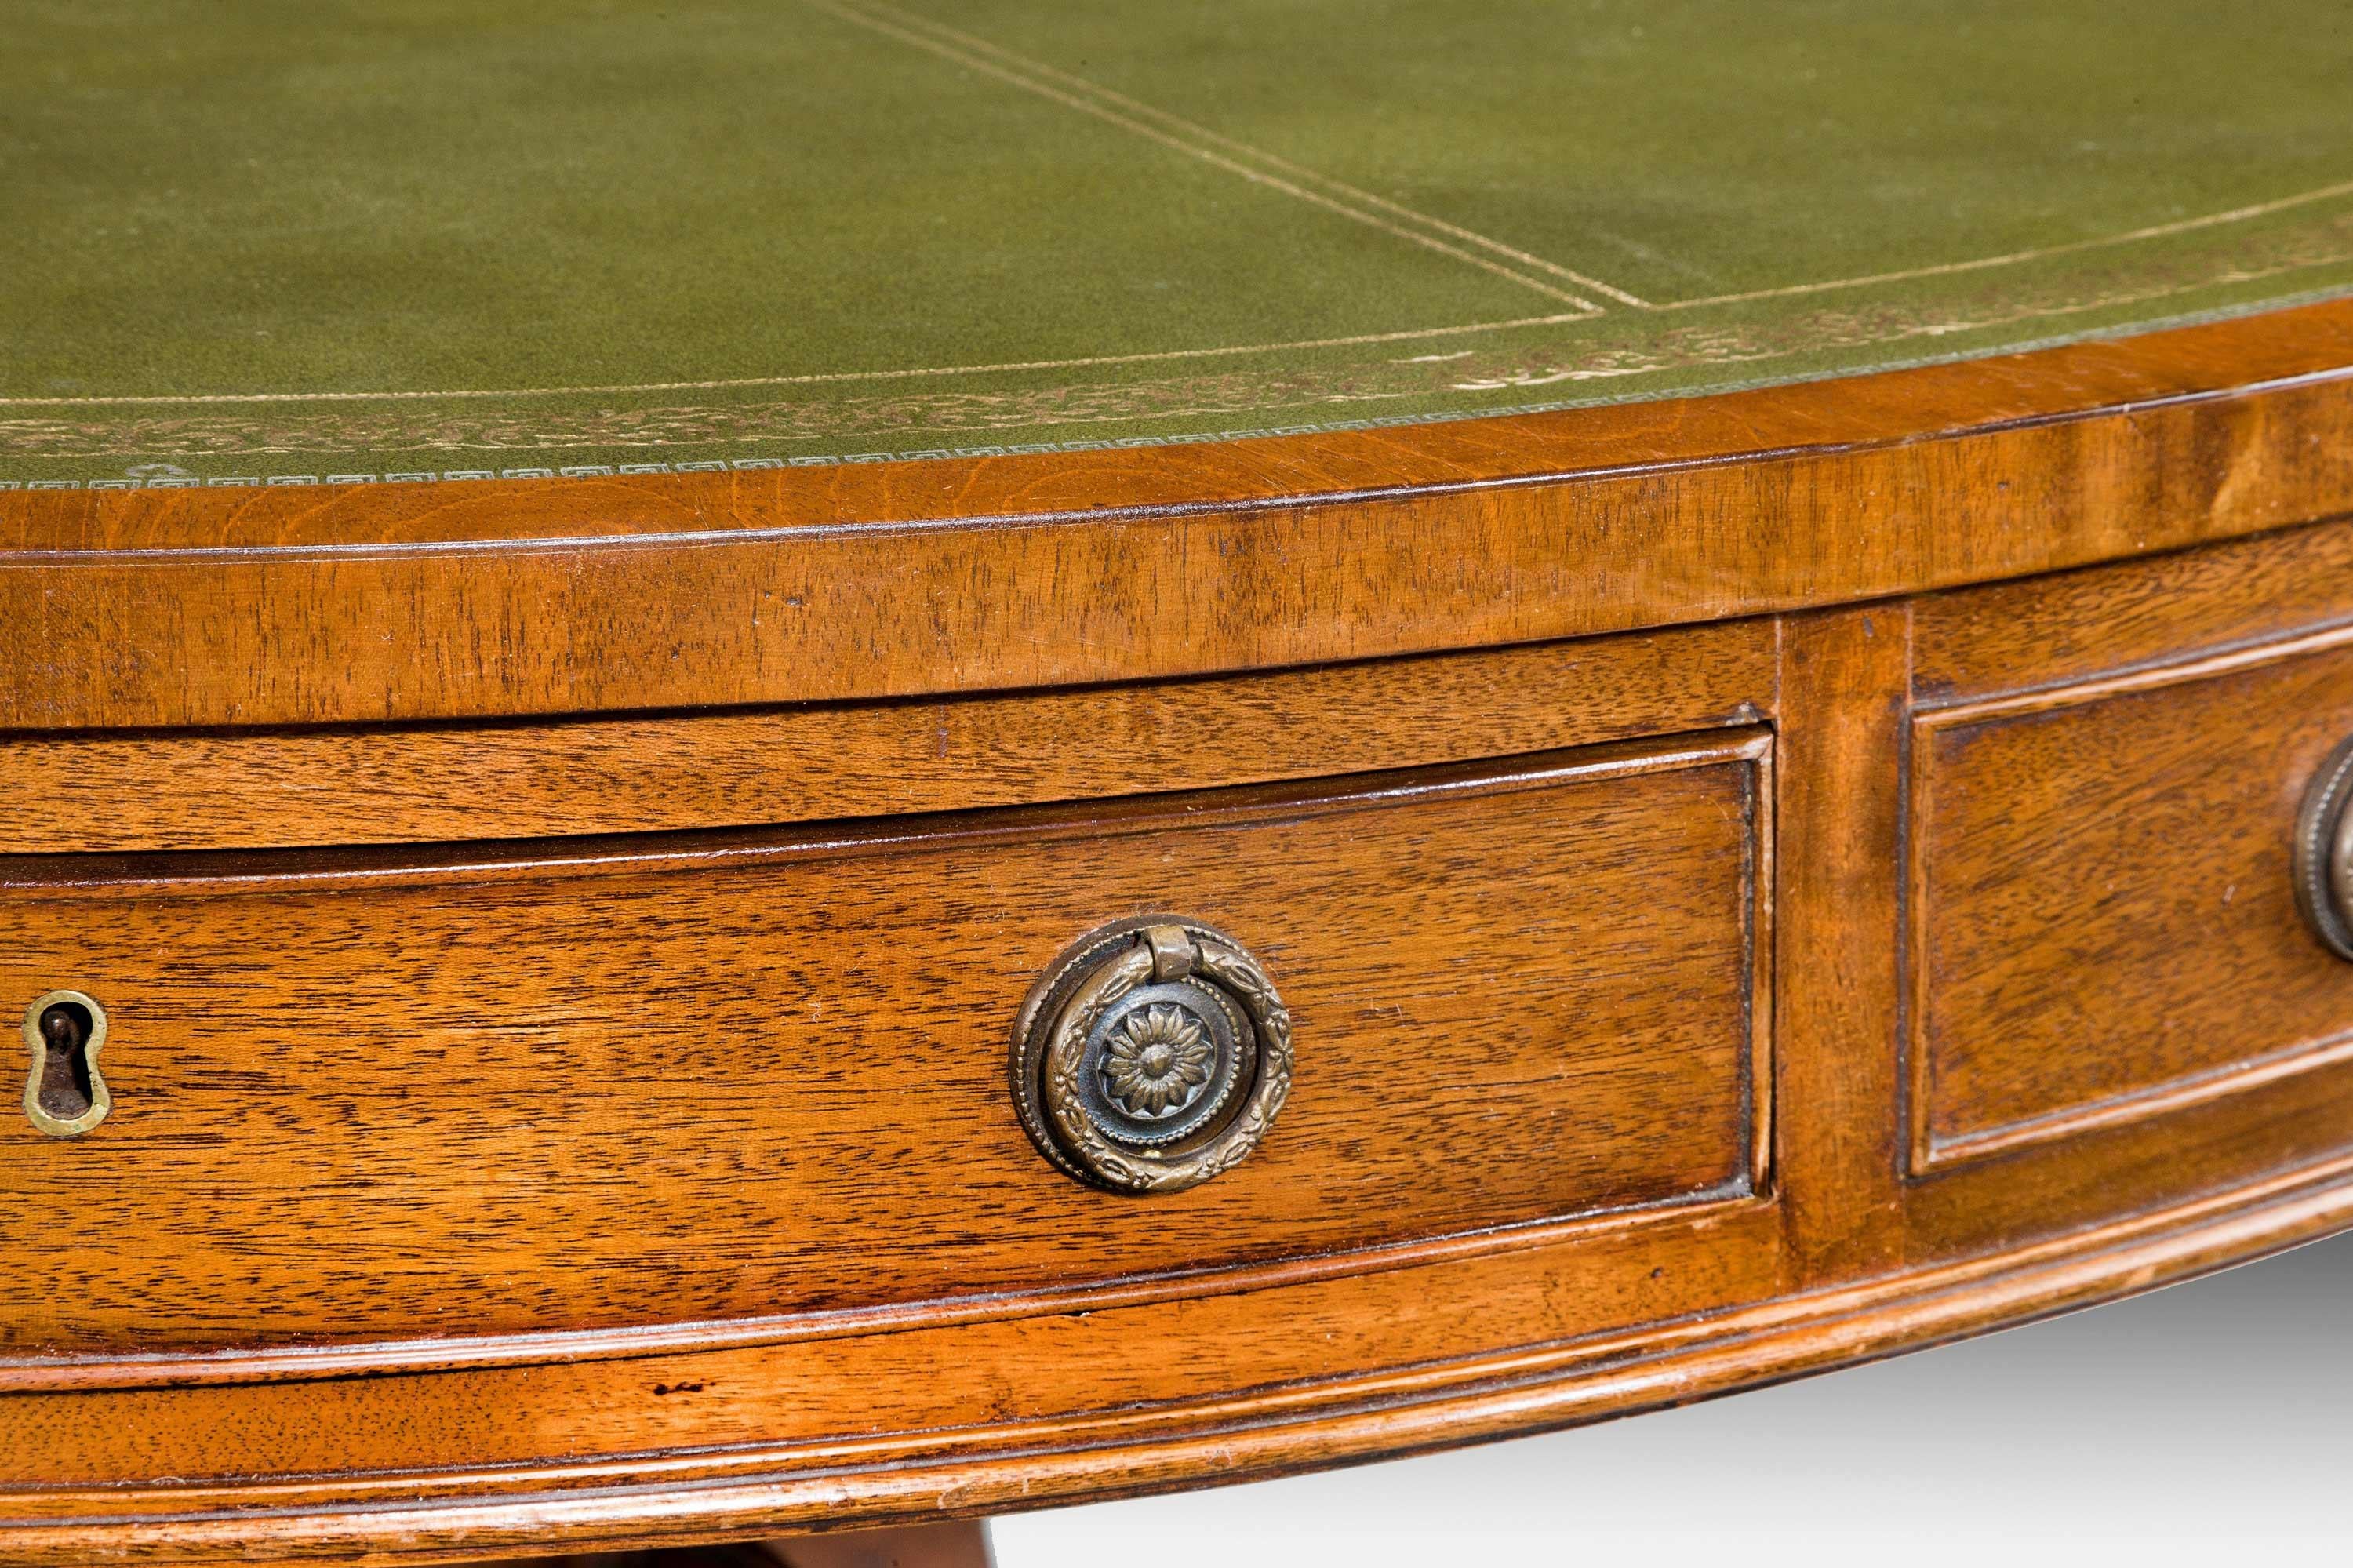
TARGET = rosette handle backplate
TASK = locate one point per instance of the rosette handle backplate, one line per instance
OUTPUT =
(1153, 1055)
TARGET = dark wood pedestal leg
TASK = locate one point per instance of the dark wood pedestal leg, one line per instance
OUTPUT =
(950, 1544)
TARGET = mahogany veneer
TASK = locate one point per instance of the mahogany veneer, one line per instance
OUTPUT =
(595, 1085)
(2102, 914)
(1736, 918)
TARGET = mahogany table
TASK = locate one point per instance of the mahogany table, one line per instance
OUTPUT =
(773, 767)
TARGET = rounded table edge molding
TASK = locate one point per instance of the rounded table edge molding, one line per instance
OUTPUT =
(959, 575)
(996, 1470)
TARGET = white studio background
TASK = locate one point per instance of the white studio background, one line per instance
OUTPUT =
(2211, 1423)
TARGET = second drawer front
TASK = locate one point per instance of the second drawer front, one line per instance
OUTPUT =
(671, 1083)
(2105, 922)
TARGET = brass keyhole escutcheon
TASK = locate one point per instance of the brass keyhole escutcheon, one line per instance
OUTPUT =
(1152, 1057)
(65, 1092)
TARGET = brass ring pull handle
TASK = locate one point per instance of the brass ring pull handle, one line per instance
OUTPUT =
(1153, 1056)
(2324, 852)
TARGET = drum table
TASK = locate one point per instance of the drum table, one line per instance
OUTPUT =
(792, 766)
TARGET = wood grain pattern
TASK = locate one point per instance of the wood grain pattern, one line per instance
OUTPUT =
(848, 1398)
(371, 604)
(2103, 623)
(2102, 914)
(169, 791)
(2043, 664)
(2201, 1150)
(767, 1078)
(896, 1471)
(1844, 676)
(476, 1190)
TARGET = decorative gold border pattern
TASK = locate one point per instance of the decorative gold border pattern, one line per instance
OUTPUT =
(1588, 355)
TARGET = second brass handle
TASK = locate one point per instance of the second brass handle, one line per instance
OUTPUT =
(2324, 852)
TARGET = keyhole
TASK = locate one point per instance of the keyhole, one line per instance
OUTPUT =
(65, 1095)
(64, 1090)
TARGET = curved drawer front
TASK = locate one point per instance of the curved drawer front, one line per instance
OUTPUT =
(2107, 926)
(624, 1081)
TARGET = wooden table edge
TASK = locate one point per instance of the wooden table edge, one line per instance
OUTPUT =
(1243, 1438)
(471, 599)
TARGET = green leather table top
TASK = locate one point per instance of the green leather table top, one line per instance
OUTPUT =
(289, 240)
